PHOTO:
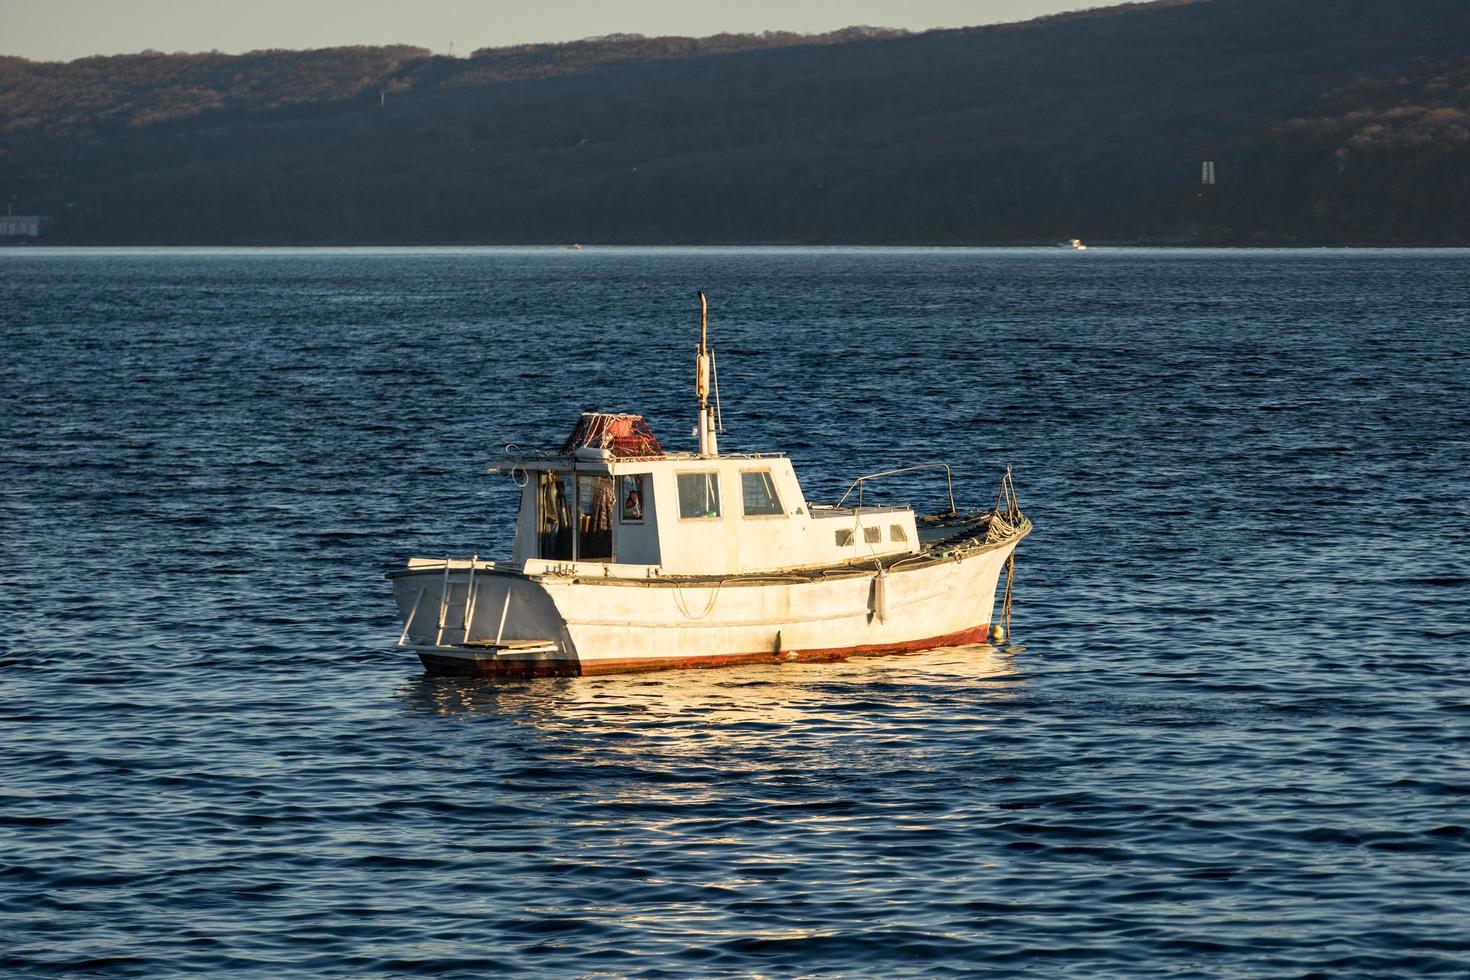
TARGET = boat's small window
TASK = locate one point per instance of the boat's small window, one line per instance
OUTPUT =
(630, 492)
(872, 535)
(897, 533)
(699, 494)
(844, 537)
(758, 493)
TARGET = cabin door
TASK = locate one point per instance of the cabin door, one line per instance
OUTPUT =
(594, 518)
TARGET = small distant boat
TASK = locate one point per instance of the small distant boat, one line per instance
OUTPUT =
(628, 557)
(574, 247)
(1075, 244)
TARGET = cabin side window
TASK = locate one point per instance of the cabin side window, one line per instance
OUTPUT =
(843, 536)
(630, 492)
(758, 494)
(872, 535)
(553, 517)
(897, 533)
(699, 495)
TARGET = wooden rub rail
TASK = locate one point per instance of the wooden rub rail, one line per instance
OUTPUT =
(510, 646)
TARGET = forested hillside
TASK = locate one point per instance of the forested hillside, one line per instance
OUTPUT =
(1329, 121)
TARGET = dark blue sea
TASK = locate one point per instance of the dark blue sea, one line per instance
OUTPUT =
(1229, 737)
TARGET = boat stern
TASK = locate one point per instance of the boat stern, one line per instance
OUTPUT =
(471, 618)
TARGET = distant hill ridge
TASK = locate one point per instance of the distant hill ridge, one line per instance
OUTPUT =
(152, 87)
(1326, 121)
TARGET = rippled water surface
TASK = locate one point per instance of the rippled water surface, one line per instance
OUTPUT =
(1231, 736)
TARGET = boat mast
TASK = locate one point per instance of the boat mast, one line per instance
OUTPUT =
(708, 446)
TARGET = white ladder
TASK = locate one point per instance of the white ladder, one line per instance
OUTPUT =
(466, 610)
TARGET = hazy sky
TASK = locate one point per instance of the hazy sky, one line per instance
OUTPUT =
(59, 30)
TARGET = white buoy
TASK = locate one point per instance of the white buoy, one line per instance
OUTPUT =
(997, 633)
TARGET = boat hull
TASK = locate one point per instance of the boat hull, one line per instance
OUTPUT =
(502, 623)
(482, 665)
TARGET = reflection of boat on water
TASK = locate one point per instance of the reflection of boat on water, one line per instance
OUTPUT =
(631, 558)
(741, 700)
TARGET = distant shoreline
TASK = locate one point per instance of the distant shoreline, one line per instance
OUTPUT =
(1171, 124)
(795, 246)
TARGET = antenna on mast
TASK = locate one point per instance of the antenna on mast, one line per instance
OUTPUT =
(708, 444)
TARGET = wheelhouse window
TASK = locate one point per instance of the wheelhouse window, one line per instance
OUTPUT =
(699, 494)
(758, 494)
(630, 492)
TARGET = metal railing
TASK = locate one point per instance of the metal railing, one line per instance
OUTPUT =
(860, 481)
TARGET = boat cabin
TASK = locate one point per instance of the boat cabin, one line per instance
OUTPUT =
(613, 502)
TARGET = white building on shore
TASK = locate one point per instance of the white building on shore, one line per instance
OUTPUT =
(21, 225)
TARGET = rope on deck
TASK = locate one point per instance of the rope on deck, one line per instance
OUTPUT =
(1003, 525)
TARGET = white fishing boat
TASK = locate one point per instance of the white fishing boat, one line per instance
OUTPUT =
(630, 558)
(1075, 244)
